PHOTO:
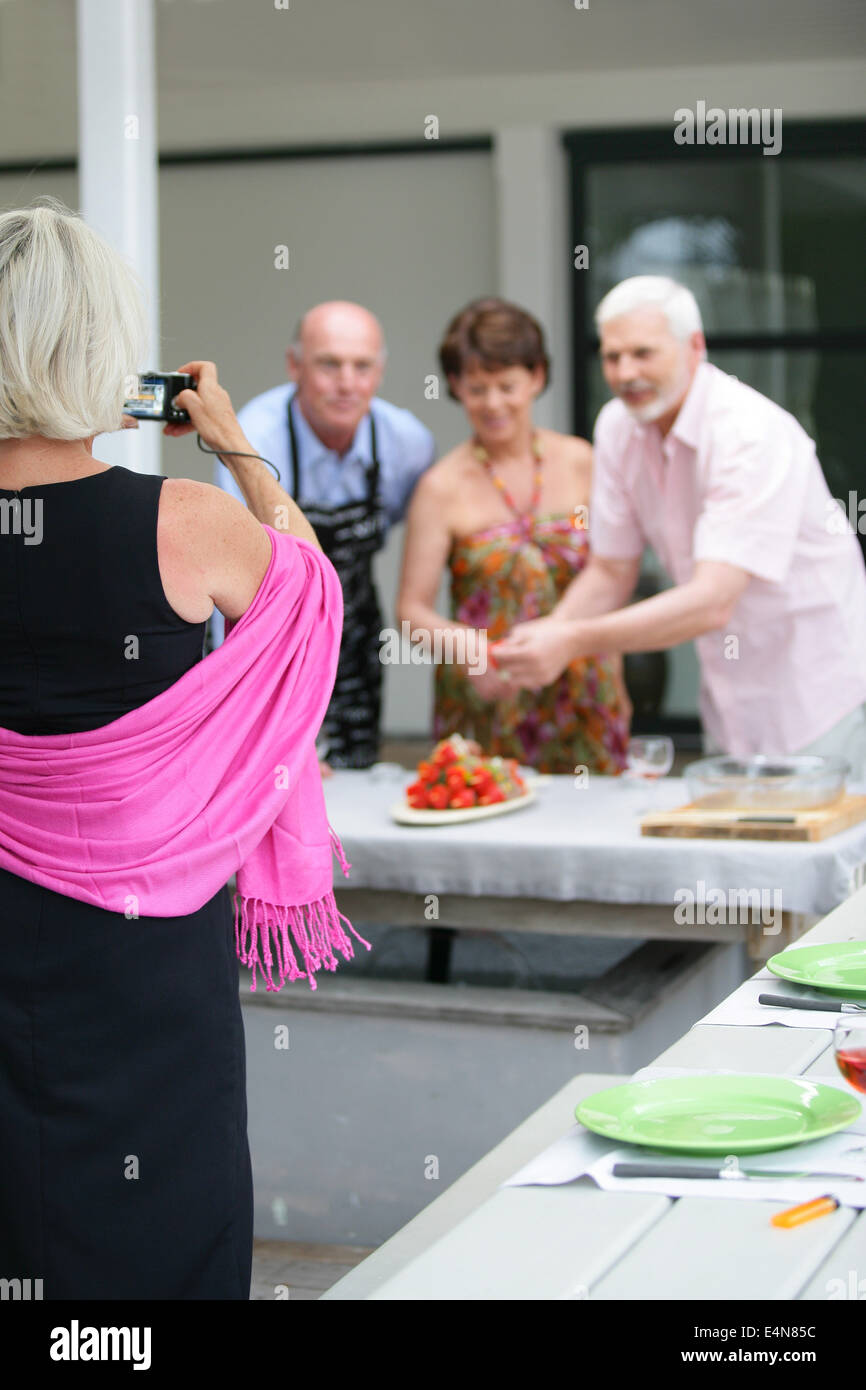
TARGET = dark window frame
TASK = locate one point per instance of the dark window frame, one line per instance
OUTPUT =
(802, 139)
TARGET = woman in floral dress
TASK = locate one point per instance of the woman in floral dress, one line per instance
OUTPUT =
(506, 511)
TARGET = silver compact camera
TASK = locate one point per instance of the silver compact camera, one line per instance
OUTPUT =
(153, 399)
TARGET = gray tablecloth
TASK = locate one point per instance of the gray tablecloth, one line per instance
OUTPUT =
(575, 842)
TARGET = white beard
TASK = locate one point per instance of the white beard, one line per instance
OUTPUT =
(663, 402)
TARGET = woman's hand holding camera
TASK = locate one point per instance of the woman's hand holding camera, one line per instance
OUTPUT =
(210, 411)
(212, 416)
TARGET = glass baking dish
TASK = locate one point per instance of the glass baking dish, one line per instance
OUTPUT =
(768, 784)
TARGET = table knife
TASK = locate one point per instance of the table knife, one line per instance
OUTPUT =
(827, 1006)
(769, 820)
(646, 1168)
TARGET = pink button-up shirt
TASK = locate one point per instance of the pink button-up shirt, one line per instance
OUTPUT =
(737, 479)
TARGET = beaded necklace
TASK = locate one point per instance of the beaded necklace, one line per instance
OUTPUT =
(525, 519)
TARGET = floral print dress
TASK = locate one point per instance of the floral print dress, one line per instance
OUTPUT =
(502, 576)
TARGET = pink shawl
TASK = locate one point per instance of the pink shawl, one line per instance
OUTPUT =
(151, 814)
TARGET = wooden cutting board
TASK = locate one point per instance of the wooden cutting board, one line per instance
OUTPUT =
(697, 822)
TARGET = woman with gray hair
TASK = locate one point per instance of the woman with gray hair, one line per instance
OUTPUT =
(124, 1163)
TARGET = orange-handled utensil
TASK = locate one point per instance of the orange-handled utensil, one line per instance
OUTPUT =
(806, 1211)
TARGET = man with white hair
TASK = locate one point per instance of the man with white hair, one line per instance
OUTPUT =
(351, 461)
(727, 489)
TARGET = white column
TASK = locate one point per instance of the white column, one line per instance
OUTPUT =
(117, 187)
(536, 260)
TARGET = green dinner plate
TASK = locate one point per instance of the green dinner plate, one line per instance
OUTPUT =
(838, 966)
(728, 1114)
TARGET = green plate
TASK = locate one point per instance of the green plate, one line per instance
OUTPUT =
(838, 966)
(727, 1114)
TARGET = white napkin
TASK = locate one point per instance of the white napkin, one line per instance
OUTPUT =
(742, 1006)
(580, 1153)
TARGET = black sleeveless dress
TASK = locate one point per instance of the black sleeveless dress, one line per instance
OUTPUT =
(124, 1164)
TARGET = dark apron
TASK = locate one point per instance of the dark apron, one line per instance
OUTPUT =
(350, 535)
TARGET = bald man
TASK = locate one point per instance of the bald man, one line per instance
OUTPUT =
(351, 461)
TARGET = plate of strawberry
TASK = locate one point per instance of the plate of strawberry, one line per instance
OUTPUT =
(456, 783)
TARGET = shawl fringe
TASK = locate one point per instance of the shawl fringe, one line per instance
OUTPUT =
(264, 932)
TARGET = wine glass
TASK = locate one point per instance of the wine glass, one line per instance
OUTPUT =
(651, 756)
(647, 759)
(849, 1046)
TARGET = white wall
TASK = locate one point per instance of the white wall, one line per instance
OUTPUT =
(232, 72)
(396, 108)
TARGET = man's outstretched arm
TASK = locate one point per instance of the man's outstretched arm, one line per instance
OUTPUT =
(603, 585)
(536, 653)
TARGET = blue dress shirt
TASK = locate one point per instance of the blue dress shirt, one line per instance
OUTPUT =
(405, 447)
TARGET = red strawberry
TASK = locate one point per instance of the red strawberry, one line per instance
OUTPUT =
(492, 797)
(466, 797)
(445, 753)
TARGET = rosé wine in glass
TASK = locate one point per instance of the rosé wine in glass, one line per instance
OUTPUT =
(849, 1045)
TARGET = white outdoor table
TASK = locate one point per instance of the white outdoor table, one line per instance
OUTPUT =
(574, 863)
(482, 1241)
